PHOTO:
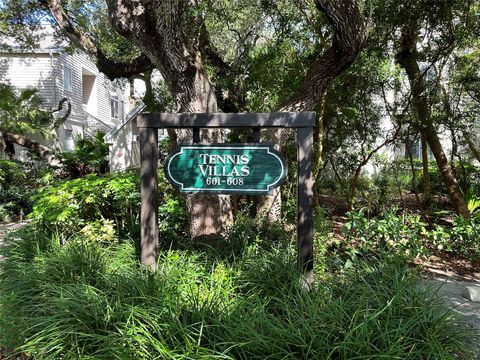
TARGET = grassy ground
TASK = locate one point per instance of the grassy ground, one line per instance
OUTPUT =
(242, 300)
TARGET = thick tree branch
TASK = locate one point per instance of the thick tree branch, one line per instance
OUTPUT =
(349, 38)
(230, 97)
(42, 150)
(211, 54)
(60, 120)
(112, 69)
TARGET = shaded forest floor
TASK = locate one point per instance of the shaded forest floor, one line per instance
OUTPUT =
(438, 262)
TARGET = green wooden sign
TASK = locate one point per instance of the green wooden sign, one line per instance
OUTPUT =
(253, 169)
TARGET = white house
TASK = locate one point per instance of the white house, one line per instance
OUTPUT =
(123, 140)
(96, 102)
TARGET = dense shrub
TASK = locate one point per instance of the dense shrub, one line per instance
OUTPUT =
(387, 234)
(87, 300)
(15, 192)
(90, 156)
(405, 234)
(468, 176)
(465, 236)
(12, 174)
(68, 206)
(436, 182)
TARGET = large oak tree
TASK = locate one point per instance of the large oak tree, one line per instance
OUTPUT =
(130, 38)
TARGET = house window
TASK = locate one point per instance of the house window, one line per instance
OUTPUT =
(68, 144)
(114, 107)
(67, 78)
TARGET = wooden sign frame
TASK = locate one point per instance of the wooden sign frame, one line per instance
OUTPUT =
(148, 125)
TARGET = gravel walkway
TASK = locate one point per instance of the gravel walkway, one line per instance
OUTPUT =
(464, 295)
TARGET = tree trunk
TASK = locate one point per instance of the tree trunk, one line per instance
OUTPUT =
(156, 27)
(31, 145)
(318, 147)
(471, 145)
(349, 38)
(427, 192)
(167, 33)
(414, 175)
(407, 58)
(8, 147)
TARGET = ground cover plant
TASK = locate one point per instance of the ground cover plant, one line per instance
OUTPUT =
(113, 200)
(90, 299)
(15, 193)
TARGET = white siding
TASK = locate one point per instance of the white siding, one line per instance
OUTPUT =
(121, 149)
(45, 72)
(30, 71)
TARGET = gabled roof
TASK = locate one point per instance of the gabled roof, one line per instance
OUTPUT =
(129, 117)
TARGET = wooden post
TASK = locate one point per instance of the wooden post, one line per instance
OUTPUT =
(148, 124)
(149, 202)
(305, 202)
(196, 135)
(256, 135)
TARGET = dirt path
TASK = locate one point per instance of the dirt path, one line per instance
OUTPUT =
(7, 228)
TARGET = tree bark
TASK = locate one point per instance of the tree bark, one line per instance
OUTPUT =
(471, 145)
(427, 192)
(8, 147)
(156, 27)
(349, 38)
(407, 58)
(42, 150)
(318, 147)
(414, 176)
(111, 68)
(169, 35)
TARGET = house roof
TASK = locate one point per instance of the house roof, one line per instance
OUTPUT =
(128, 118)
(47, 41)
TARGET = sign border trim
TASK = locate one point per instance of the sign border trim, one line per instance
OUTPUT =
(270, 151)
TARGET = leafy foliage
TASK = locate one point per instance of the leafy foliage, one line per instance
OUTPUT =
(401, 234)
(89, 156)
(70, 205)
(95, 203)
(15, 201)
(466, 236)
(472, 201)
(11, 174)
(20, 111)
(84, 300)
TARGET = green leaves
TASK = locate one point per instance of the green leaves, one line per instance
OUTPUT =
(472, 201)
(70, 205)
(91, 301)
(20, 113)
(389, 234)
(88, 156)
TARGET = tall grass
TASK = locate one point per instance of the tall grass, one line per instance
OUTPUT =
(84, 300)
